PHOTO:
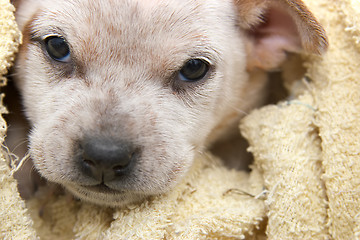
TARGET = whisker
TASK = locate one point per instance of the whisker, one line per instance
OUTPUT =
(12, 128)
(239, 110)
(12, 74)
(20, 144)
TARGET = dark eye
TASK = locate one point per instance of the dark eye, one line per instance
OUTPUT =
(57, 48)
(194, 70)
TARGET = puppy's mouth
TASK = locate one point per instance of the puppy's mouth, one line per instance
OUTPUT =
(101, 188)
(104, 195)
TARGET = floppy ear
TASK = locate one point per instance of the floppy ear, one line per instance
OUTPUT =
(277, 27)
(15, 3)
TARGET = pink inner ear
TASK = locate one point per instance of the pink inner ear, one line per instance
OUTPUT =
(272, 39)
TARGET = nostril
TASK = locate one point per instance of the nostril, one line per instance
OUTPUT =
(120, 168)
(89, 163)
(90, 168)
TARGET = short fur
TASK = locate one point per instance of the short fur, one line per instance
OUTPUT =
(122, 81)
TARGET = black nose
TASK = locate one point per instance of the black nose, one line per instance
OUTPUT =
(106, 159)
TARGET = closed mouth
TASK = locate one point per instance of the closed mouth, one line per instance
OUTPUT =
(101, 188)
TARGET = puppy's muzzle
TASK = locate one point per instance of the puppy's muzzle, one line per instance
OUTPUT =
(105, 160)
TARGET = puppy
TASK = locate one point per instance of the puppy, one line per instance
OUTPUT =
(122, 94)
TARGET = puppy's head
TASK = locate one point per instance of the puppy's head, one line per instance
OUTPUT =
(121, 94)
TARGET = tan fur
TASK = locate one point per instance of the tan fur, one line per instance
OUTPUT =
(125, 56)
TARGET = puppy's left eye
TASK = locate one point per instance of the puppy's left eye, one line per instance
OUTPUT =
(194, 70)
(57, 48)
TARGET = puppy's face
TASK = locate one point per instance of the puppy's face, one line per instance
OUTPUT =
(122, 94)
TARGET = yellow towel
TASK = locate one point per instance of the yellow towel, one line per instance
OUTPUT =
(212, 202)
(14, 221)
(309, 149)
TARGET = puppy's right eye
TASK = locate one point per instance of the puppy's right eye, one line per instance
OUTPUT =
(57, 48)
(194, 70)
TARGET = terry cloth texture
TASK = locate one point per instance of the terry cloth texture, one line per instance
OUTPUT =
(211, 203)
(306, 150)
(15, 223)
